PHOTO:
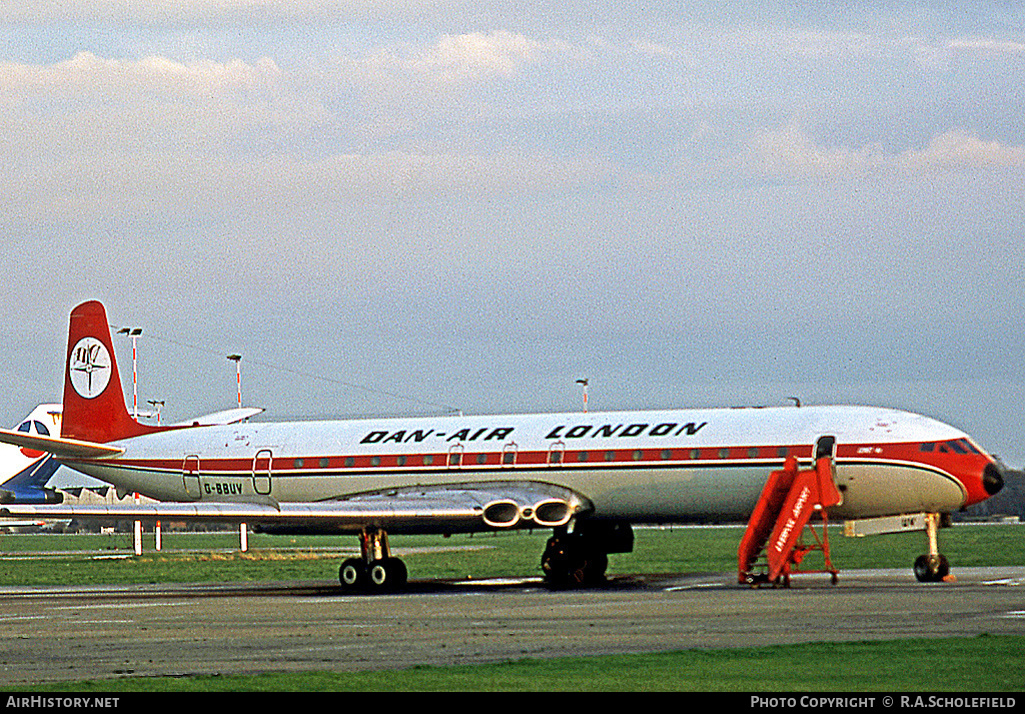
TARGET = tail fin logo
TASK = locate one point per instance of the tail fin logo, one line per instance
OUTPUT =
(89, 367)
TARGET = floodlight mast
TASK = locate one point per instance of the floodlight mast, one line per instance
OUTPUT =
(237, 359)
(134, 333)
(157, 404)
(584, 383)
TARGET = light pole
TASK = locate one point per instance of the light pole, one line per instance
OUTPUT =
(134, 333)
(157, 404)
(583, 382)
(237, 359)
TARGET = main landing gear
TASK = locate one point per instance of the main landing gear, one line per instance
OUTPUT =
(580, 558)
(375, 570)
(572, 558)
(932, 567)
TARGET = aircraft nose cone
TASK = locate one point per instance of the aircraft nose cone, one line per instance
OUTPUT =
(992, 479)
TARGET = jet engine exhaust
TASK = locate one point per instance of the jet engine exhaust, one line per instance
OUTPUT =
(547, 514)
(502, 514)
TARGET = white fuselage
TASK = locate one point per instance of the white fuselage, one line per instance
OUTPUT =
(649, 466)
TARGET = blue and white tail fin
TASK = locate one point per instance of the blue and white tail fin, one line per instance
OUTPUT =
(24, 472)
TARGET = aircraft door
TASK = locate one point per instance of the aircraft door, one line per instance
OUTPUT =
(556, 452)
(455, 456)
(190, 477)
(262, 471)
(825, 446)
(509, 452)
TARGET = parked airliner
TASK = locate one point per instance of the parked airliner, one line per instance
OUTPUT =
(586, 476)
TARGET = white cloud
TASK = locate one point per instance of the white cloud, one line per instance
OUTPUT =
(956, 150)
(791, 152)
(448, 60)
(477, 55)
(988, 45)
(88, 73)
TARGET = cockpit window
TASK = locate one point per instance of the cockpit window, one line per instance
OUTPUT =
(957, 447)
(36, 427)
(968, 445)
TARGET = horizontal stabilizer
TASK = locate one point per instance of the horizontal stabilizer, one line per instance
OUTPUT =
(59, 447)
(228, 416)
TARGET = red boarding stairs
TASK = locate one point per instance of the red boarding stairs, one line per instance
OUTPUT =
(789, 499)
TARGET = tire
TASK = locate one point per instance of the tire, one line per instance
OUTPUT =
(387, 574)
(353, 574)
(931, 568)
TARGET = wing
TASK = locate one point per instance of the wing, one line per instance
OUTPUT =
(446, 508)
(60, 447)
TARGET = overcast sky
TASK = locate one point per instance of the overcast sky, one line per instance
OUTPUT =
(401, 206)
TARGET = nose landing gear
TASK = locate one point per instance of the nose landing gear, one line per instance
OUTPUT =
(932, 567)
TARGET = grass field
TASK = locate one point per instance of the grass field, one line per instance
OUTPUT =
(986, 663)
(979, 664)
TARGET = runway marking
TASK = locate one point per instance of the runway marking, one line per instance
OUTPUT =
(118, 605)
(501, 581)
(1014, 615)
(104, 622)
(695, 586)
(1005, 581)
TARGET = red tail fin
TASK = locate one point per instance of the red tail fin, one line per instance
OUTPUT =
(94, 405)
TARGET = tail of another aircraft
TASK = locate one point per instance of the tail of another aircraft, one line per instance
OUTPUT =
(25, 472)
(94, 405)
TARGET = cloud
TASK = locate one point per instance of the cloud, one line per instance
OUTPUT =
(418, 70)
(89, 74)
(956, 150)
(988, 45)
(791, 152)
(477, 55)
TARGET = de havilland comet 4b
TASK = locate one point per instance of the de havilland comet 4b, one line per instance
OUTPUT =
(586, 476)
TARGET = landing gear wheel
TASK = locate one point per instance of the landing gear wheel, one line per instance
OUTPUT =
(931, 568)
(353, 574)
(387, 574)
(568, 562)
